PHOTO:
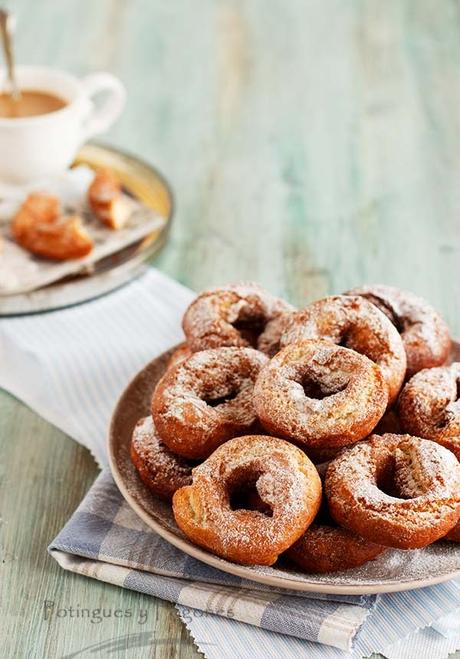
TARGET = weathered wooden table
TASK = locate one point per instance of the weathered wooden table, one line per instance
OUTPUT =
(312, 146)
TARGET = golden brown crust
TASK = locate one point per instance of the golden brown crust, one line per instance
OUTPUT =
(38, 208)
(161, 471)
(454, 534)
(354, 323)
(285, 480)
(106, 200)
(325, 548)
(39, 228)
(207, 399)
(424, 333)
(182, 352)
(425, 474)
(319, 395)
(234, 315)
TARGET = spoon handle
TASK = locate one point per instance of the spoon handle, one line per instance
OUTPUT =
(6, 31)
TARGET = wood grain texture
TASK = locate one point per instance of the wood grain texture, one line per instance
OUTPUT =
(312, 146)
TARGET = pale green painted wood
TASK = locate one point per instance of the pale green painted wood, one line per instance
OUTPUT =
(312, 146)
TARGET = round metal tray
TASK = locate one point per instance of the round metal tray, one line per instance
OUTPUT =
(143, 182)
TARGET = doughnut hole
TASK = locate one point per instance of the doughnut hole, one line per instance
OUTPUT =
(244, 495)
(318, 390)
(250, 329)
(221, 400)
(320, 396)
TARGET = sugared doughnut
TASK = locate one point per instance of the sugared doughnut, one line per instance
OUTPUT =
(234, 315)
(354, 323)
(162, 471)
(284, 479)
(429, 406)
(207, 399)
(410, 488)
(362, 482)
(327, 548)
(320, 395)
(424, 333)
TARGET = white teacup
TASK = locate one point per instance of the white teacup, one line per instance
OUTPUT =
(36, 147)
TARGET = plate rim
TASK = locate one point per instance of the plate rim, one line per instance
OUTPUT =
(242, 571)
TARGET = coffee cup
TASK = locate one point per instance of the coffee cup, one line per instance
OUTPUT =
(44, 145)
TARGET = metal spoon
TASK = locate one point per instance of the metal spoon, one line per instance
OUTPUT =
(7, 22)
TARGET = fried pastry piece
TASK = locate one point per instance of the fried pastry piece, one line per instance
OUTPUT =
(106, 200)
(39, 228)
(38, 208)
(395, 490)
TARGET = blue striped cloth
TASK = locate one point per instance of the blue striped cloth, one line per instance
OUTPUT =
(401, 635)
(71, 366)
(105, 540)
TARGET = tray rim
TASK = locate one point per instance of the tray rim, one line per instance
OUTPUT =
(242, 571)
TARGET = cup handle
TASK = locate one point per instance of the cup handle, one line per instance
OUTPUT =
(101, 117)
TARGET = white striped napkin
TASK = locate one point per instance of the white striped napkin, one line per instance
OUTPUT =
(71, 365)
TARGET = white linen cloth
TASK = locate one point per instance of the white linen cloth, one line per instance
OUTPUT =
(70, 366)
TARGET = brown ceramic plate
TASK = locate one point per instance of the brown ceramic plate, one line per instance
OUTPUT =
(393, 571)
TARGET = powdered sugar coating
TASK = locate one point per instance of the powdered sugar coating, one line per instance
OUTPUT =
(161, 470)
(424, 333)
(285, 480)
(354, 482)
(354, 323)
(347, 400)
(207, 399)
(395, 569)
(233, 315)
(408, 486)
(429, 406)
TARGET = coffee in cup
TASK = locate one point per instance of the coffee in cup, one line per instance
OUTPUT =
(30, 103)
(41, 135)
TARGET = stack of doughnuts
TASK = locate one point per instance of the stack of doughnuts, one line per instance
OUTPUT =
(320, 437)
